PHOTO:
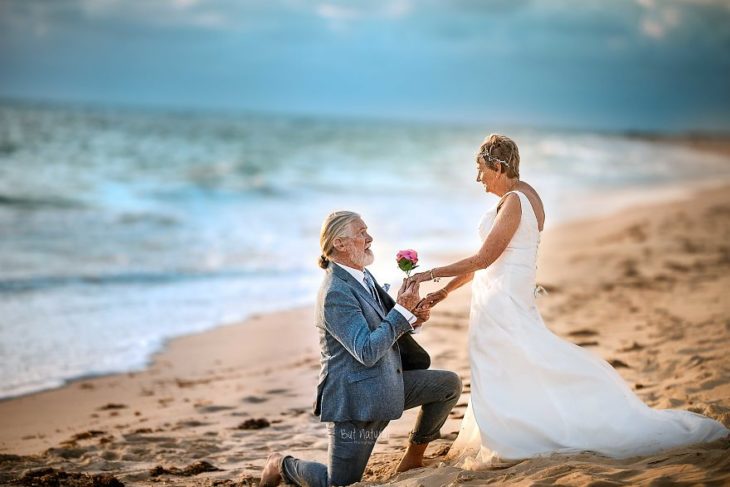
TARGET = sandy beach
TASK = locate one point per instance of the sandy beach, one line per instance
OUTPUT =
(644, 289)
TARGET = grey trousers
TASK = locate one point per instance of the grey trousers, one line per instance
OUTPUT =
(351, 442)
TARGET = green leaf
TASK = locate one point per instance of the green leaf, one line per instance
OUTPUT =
(405, 265)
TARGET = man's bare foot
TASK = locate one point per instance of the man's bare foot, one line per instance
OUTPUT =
(413, 457)
(408, 463)
(271, 476)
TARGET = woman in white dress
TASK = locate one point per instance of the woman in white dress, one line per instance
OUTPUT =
(533, 393)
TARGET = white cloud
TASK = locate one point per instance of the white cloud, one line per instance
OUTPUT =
(340, 15)
(652, 28)
(191, 13)
(398, 8)
(337, 12)
(344, 12)
(183, 4)
(658, 20)
(671, 16)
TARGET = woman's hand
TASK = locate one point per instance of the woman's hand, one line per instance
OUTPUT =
(432, 299)
(420, 277)
(422, 313)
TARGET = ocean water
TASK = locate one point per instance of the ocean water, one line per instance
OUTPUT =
(120, 229)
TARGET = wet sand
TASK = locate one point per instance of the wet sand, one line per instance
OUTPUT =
(645, 289)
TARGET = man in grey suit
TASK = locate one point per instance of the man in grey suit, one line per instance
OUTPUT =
(364, 382)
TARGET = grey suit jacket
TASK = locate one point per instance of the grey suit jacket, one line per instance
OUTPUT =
(361, 377)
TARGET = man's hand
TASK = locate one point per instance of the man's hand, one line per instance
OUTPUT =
(408, 295)
(422, 312)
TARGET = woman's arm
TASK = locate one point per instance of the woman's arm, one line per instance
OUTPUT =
(432, 299)
(505, 226)
(457, 282)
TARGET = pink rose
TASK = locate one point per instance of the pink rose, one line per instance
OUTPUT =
(407, 260)
(409, 254)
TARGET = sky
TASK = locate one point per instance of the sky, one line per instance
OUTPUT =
(657, 65)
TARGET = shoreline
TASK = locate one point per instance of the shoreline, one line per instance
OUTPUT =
(161, 352)
(611, 205)
(199, 393)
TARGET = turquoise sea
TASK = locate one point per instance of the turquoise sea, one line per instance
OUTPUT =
(120, 229)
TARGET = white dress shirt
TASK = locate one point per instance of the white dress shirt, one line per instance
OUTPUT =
(360, 277)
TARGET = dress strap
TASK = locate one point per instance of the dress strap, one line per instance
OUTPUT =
(501, 200)
(525, 201)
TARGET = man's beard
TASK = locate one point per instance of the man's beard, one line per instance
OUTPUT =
(365, 259)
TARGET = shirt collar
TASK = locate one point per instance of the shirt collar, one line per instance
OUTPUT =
(357, 274)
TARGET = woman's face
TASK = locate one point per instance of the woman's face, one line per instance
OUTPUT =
(485, 175)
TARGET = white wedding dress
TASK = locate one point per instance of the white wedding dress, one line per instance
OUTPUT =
(533, 393)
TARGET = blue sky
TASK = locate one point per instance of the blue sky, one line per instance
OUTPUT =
(612, 64)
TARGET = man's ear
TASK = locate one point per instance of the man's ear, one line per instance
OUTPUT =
(338, 244)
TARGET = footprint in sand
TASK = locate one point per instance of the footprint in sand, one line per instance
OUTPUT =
(52, 476)
(188, 471)
(110, 406)
(283, 392)
(277, 391)
(617, 364)
(254, 424)
(295, 412)
(711, 384)
(583, 332)
(192, 423)
(697, 360)
(633, 348)
(255, 399)
(676, 266)
(213, 408)
(85, 436)
(67, 452)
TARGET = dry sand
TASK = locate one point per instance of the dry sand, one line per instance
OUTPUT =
(645, 289)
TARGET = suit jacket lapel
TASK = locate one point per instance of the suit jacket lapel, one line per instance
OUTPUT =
(347, 277)
(385, 298)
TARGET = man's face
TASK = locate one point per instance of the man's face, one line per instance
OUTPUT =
(357, 246)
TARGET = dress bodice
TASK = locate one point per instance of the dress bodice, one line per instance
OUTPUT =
(522, 249)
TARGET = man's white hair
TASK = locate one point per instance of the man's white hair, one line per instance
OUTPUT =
(337, 224)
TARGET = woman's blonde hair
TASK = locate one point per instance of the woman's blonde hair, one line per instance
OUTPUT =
(498, 149)
(336, 224)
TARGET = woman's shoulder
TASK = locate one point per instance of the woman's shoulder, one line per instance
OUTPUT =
(511, 198)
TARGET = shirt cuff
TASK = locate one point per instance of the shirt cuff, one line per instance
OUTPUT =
(406, 314)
